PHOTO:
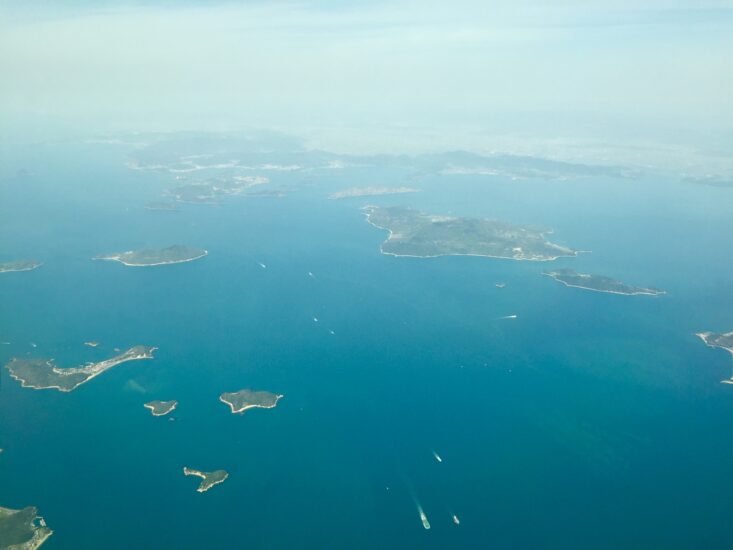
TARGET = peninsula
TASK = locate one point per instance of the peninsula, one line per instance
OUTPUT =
(175, 254)
(370, 192)
(22, 529)
(19, 265)
(414, 233)
(599, 283)
(161, 408)
(249, 399)
(723, 340)
(208, 479)
(42, 374)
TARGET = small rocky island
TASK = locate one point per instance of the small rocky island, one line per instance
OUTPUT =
(22, 529)
(175, 254)
(161, 408)
(42, 374)
(599, 283)
(19, 265)
(370, 192)
(208, 479)
(249, 399)
(414, 233)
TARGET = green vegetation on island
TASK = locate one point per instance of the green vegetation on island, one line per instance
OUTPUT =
(723, 340)
(160, 256)
(599, 283)
(245, 399)
(414, 233)
(19, 265)
(41, 374)
(208, 479)
(22, 529)
(161, 408)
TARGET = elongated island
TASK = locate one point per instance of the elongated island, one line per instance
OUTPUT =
(414, 233)
(161, 408)
(370, 192)
(22, 529)
(208, 479)
(19, 265)
(599, 283)
(42, 374)
(245, 399)
(175, 254)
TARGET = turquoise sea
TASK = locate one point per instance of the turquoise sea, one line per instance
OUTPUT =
(589, 421)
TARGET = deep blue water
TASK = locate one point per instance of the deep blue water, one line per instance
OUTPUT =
(591, 420)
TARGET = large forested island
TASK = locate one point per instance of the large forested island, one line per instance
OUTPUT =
(19, 265)
(42, 374)
(599, 283)
(723, 340)
(22, 529)
(156, 256)
(208, 479)
(245, 399)
(414, 233)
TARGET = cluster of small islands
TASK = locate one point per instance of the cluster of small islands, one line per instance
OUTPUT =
(412, 233)
(25, 529)
(43, 374)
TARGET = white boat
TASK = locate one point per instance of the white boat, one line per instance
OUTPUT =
(424, 519)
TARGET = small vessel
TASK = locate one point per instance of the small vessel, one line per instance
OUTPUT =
(331, 332)
(263, 266)
(500, 285)
(456, 520)
(423, 518)
(437, 457)
(508, 317)
(310, 274)
(315, 319)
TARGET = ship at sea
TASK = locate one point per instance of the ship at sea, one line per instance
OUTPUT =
(423, 517)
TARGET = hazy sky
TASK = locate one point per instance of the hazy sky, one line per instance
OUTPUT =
(622, 71)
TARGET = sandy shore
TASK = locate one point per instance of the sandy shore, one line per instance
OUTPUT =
(659, 293)
(246, 407)
(118, 258)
